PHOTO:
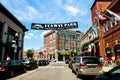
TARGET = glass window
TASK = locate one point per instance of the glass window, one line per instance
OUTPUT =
(91, 60)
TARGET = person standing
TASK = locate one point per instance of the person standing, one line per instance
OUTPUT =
(101, 59)
(106, 61)
(8, 57)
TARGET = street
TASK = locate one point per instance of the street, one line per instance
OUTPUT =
(54, 71)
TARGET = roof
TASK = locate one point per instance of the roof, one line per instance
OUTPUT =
(13, 18)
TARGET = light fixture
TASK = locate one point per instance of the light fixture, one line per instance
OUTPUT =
(16, 34)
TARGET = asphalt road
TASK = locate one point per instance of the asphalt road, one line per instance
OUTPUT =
(54, 71)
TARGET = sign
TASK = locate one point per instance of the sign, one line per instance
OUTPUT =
(60, 26)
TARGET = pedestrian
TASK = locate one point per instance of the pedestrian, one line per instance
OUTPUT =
(118, 59)
(8, 57)
(113, 59)
(106, 61)
(101, 60)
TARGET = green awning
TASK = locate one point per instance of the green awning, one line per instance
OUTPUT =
(117, 49)
(108, 50)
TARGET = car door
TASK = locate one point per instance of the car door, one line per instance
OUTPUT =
(16, 66)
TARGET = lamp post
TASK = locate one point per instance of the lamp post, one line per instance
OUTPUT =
(14, 45)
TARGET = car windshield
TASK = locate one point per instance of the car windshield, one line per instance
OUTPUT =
(25, 60)
(91, 60)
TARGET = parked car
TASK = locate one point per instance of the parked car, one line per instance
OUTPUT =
(67, 61)
(72, 60)
(11, 68)
(113, 74)
(52, 60)
(30, 63)
(86, 65)
(43, 62)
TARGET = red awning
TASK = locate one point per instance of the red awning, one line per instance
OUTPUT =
(41, 53)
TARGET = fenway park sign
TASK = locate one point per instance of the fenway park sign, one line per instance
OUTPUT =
(60, 26)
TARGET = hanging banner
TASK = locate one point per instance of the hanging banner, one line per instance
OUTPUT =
(60, 26)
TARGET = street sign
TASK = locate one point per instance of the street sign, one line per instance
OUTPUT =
(59, 26)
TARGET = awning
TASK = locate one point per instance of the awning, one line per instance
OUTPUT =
(117, 49)
(108, 50)
(41, 53)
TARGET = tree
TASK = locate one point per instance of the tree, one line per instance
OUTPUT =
(29, 53)
(73, 53)
(84, 46)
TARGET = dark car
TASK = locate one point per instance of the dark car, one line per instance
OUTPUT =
(11, 68)
(43, 62)
(72, 60)
(67, 61)
(30, 63)
(113, 74)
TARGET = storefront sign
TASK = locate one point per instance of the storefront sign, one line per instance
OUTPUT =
(60, 26)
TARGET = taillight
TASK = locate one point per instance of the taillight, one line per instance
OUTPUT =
(82, 64)
(99, 65)
(2, 68)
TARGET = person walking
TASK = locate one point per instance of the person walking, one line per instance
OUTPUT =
(118, 60)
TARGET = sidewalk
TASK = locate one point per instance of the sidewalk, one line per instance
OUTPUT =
(107, 68)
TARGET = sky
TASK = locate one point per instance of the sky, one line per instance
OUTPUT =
(49, 11)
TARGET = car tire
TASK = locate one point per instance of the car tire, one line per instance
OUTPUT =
(24, 70)
(12, 74)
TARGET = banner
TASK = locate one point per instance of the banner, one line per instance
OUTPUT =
(117, 17)
(59, 26)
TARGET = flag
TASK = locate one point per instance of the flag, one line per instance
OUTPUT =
(99, 15)
(117, 17)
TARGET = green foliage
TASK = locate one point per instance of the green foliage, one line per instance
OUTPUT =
(29, 53)
(73, 53)
(84, 46)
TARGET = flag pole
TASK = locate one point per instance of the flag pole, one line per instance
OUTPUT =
(107, 16)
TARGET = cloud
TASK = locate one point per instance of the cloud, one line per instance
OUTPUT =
(31, 35)
(72, 10)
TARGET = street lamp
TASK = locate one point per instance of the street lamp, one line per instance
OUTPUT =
(14, 45)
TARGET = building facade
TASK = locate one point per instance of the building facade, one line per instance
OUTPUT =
(104, 34)
(99, 5)
(57, 43)
(11, 35)
(108, 30)
(111, 27)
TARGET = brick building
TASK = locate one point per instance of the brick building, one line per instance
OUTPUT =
(109, 29)
(11, 35)
(57, 43)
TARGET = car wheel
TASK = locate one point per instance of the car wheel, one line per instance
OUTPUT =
(73, 71)
(32, 68)
(24, 70)
(12, 74)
